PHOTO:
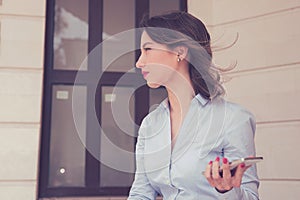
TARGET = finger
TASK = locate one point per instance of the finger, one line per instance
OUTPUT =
(215, 168)
(215, 173)
(226, 175)
(239, 175)
(208, 174)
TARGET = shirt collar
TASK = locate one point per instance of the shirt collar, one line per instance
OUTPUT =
(165, 103)
(198, 97)
(201, 99)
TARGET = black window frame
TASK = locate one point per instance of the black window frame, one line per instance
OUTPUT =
(66, 77)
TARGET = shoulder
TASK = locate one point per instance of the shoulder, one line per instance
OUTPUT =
(238, 115)
(233, 115)
(233, 110)
(237, 111)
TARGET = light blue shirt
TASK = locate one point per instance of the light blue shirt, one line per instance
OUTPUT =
(210, 129)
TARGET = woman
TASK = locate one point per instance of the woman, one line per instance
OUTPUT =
(184, 141)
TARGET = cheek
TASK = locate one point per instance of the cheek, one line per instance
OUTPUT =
(168, 61)
(162, 58)
(160, 74)
(161, 69)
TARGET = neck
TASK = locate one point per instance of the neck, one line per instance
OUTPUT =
(180, 95)
(180, 89)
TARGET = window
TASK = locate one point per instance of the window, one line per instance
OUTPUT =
(78, 155)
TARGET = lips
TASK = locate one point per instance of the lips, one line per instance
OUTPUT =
(145, 74)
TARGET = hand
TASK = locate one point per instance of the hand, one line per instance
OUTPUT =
(227, 182)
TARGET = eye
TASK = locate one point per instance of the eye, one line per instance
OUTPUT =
(147, 48)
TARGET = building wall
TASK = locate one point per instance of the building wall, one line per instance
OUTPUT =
(266, 79)
(21, 71)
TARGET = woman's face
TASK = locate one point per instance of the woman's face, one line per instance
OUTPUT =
(157, 63)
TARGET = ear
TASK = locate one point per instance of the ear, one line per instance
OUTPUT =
(182, 51)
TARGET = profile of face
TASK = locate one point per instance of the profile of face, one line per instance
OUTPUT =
(159, 65)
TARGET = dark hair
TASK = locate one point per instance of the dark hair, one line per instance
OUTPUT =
(181, 28)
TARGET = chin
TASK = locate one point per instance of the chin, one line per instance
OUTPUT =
(153, 85)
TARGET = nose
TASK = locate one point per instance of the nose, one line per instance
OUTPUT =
(140, 62)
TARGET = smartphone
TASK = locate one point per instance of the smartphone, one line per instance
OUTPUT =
(235, 163)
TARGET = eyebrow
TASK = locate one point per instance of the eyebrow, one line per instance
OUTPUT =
(146, 43)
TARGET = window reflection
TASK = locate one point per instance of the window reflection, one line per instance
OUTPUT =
(158, 7)
(71, 34)
(67, 153)
(118, 17)
(116, 138)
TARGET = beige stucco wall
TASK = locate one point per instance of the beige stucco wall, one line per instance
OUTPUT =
(21, 73)
(266, 79)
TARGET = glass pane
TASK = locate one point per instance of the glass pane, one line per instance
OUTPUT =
(70, 43)
(118, 16)
(156, 97)
(158, 7)
(67, 153)
(117, 143)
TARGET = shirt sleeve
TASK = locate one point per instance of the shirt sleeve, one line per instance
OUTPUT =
(141, 188)
(239, 143)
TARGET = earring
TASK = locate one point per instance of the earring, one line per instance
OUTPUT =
(178, 58)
